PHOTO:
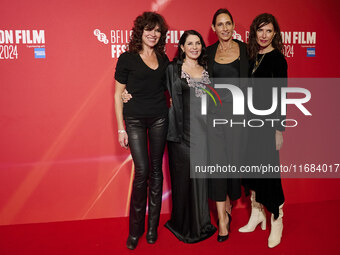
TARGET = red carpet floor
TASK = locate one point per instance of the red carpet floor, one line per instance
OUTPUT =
(308, 229)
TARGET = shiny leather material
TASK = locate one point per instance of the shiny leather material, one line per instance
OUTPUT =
(141, 131)
(132, 242)
(151, 235)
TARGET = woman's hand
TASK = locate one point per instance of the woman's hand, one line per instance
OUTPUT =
(278, 140)
(123, 138)
(126, 96)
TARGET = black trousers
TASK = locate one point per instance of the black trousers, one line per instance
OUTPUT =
(141, 133)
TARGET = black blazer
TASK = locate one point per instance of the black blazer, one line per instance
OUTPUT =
(173, 83)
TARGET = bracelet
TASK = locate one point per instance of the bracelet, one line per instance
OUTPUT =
(121, 131)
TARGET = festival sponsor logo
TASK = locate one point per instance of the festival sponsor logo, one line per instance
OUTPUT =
(39, 53)
(101, 36)
(119, 39)
(310, 52)
(237, 36)
(11, 40)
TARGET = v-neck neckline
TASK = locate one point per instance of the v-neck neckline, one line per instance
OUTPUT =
(140, 57)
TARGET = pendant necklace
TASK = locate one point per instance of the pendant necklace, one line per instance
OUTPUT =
(257, 63)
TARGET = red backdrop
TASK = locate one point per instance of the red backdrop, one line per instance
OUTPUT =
(60, 159)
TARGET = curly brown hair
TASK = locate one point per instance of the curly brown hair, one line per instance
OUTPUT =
(148, 21)
(260, 21)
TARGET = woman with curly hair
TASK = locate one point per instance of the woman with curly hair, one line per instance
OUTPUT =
(141, 70)
(267, 61)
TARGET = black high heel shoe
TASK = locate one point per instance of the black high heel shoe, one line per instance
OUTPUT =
(224, 238)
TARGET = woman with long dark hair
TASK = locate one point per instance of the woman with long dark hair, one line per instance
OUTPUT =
(141, 70)
(228, 62)
(187, 75)
(267, 61)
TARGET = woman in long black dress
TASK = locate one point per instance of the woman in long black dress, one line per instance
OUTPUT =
(142, 71)
(190, 217)
(264, 47)
(228, 61)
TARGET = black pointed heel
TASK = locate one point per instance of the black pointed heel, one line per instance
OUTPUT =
(224, 238)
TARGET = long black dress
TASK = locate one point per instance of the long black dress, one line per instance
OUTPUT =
(226, 143)
(261, 147)
(190, 216)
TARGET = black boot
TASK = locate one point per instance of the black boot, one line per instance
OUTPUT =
(151, 235)
(132, 242)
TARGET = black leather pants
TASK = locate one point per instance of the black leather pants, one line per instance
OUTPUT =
(141, 131)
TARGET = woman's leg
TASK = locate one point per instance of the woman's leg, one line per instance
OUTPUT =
(257, 216)
(137, 134)
(228, 205)
(222, 218)
(157, 139)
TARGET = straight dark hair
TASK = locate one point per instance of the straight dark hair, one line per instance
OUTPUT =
(260, 21)
(202, 59)
(220, 11)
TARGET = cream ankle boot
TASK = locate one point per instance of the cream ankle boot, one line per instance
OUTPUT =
(276, 229)
(257, 216)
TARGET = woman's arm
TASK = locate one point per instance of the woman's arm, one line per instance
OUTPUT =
(122, 135)
(281, 74)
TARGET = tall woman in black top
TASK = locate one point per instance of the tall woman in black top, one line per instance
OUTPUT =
(264, 143)
(227, 59)
(141, 71)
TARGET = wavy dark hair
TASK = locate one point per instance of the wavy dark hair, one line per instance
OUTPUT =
(148, 21)
(202, 59)
(220, 11)
(260, 21)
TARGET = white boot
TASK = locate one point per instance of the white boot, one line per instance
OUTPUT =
(276, 229)
(257, 216)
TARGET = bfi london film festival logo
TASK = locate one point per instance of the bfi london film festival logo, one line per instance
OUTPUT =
(120, 38)
(10, 41)
(239, 105)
